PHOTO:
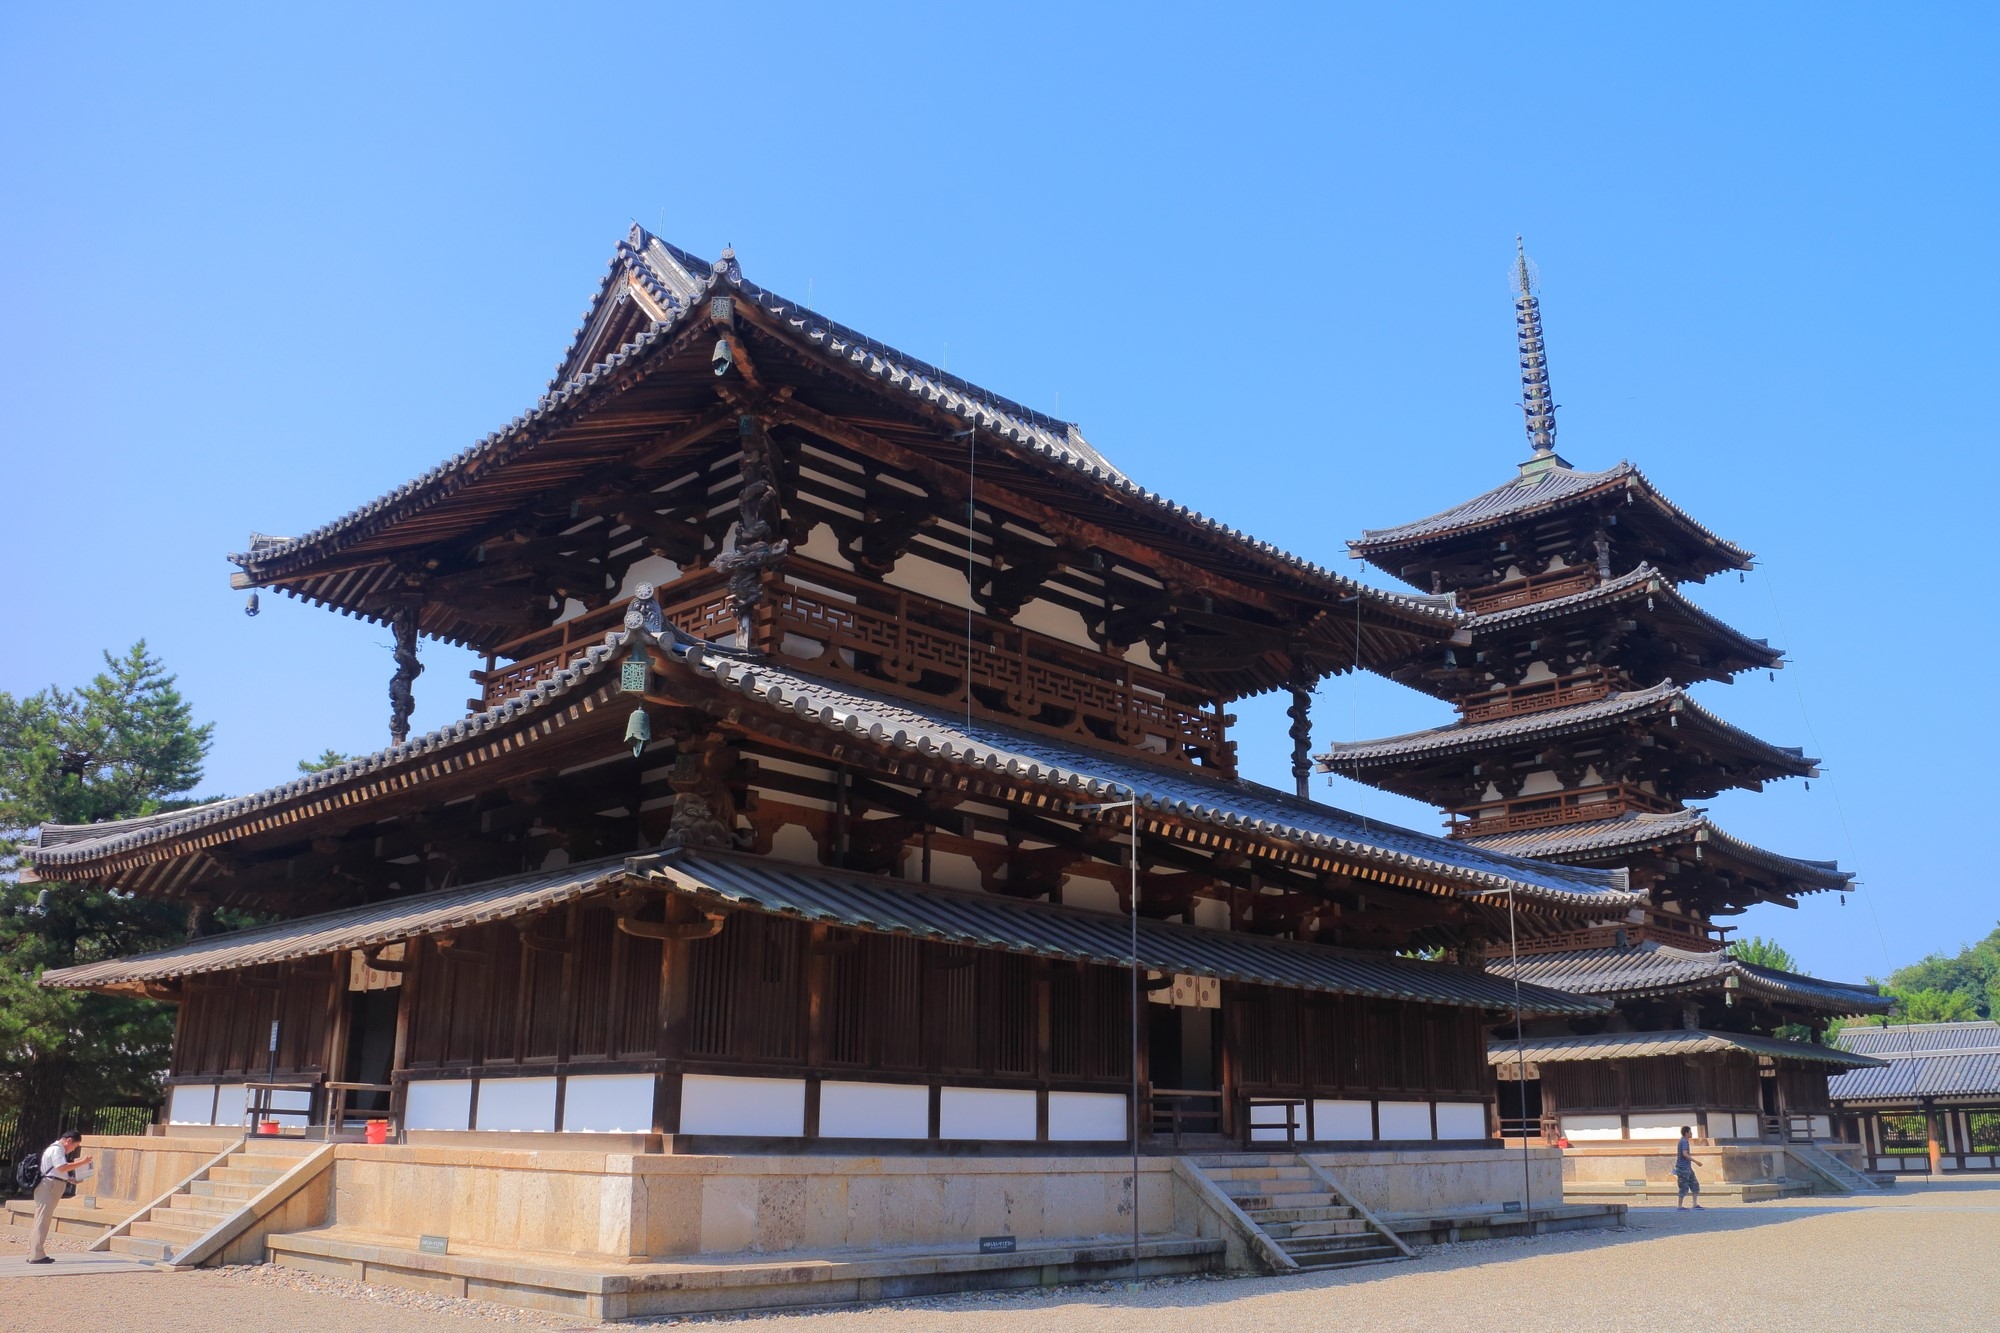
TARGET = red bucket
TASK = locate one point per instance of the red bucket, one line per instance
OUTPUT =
(378, 1131)
(267, 1127)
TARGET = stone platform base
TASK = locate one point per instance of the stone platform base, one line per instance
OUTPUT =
(73, 1218)
(1450, 1228)
(1654, 1193)
(707, 1284)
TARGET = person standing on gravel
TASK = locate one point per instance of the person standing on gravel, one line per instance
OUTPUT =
(1684, 1176)
(57, 1173)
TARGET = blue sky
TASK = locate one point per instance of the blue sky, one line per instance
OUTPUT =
(257, 267)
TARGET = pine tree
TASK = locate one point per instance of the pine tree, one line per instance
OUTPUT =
(123, 745)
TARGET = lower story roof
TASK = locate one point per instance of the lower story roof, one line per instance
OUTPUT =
(850, 900)
(1652, 969)
(1911, 1082)
(1651, 1045)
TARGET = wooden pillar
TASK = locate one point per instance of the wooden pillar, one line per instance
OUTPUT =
(1931, 1136)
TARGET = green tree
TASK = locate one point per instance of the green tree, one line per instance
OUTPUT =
(1973, 974)
(1760, 952)
(328, 758)
(1935, 1006)
(123, 745)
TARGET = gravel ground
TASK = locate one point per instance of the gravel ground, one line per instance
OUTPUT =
(1772, 1268)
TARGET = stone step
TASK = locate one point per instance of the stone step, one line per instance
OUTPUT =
(1258, 1203)
(223, 1189)
(1346, 1258)
(176, 1236)
(1301, 1231)
(1225, 1161)
(1332, 1212)
(140, 1247)
(1261, 1173)
(1291, 1185)
(259, 1176)
(202, 1208)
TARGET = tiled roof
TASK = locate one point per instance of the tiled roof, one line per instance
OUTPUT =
(1654, 969)
(1522, 497)
(1641, 581)
(1650, 1045)
(1634, 832)
(1906, 1040)
(352, 928)
(1222, 802)
(1939, 1077)
(862, 902)
(991, 921)
(1057, 444)
(1475, 737)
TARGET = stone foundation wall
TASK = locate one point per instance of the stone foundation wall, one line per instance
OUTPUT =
(1445, 1180)
(133, 1169)
(625, 1206)
(1713, 1163)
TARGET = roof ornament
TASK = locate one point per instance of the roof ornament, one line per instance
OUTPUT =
(1536, 404)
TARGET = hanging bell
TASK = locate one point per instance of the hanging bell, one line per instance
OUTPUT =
(1450, 659)
(250, 607)
(723, 359)
(638, 731)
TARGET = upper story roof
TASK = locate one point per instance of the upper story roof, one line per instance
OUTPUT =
(644, 347)
(1616, 841)
(1548, 490)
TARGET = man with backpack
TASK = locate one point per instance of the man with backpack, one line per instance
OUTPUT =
(57, 1173)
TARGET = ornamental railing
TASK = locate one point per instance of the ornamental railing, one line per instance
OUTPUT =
(836, 625)
(1522, 592)
(1557, 692)
(1581, 805)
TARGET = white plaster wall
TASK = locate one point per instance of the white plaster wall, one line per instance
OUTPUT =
(517, 1104)
(192, 1104)
(915, 574)
(823, 546)
(1093, 895)
(231, 1101)
(955, 870)
(758, 1107)
(996, 1114)
(1405, 1120)
(1211, 914)
(1583, 1128)
(794, 844)
(1538, 784)
(1083, 1116)
(438, 1104)
(654, 569)
(874, 1111)
(603, 1103)
(1462, 1120)
(1059, 622)
(1343, 1120)
(1657, 1124)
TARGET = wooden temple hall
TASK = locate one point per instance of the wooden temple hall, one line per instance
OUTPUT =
(851, 739)
(1577, 742)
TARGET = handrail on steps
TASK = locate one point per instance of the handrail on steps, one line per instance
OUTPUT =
(1333, 1187)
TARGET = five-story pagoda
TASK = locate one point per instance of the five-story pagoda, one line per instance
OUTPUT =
(1578, 741)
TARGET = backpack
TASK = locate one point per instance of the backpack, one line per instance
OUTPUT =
(28, 1171)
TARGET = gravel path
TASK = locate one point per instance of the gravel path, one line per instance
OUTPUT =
(1837, 1266)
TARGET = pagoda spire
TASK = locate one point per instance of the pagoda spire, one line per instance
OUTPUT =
(1536, 404)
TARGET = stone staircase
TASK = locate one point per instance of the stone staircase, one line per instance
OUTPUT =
(1830, 1171)
(1299, 1210)
(202, 1204)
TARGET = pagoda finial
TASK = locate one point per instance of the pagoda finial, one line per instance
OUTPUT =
(1535, 402)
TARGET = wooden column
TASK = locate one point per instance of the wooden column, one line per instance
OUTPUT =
(1931, 1137)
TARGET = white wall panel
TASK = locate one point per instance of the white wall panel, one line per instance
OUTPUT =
(1405, 1120)
(1462, 1120)
(1085, 1116)
(517, 1104)
(191, 1104)
(231, 1101)
(750, 1107)
(606, 1104)
(874, 1111)
(994, 1114)
(438, 1104)
(1657, 1124)
(1582, 1128)
(1349, 1121)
